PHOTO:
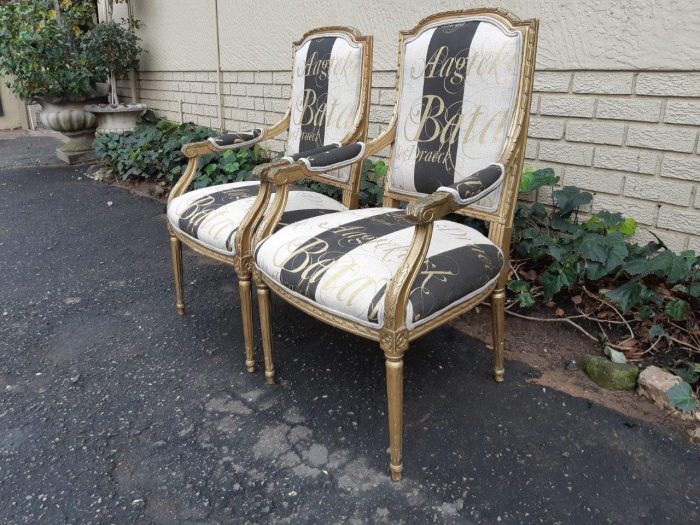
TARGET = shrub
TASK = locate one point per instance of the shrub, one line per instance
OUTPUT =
(40, 47)
(112, 50)
(152, 152)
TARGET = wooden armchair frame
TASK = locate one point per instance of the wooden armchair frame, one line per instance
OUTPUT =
(241, 261)
(394, 336)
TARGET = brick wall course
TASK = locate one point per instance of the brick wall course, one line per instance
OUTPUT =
(629, 137)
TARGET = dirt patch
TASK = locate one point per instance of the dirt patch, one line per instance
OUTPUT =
(550, 347)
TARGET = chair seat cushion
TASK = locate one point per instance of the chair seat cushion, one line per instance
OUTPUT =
(343, 262)
(211, 216)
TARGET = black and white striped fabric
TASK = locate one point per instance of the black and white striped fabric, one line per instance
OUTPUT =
(326, 87)
(343, 262)
(459, 85)
(211, 216)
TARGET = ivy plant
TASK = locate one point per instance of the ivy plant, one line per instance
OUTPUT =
(371, 185)
(152, 152)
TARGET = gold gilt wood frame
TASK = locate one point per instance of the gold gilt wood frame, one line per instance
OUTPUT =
(394, 336)
(242, 260)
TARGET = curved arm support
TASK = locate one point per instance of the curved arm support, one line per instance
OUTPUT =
(246, 230)
(399, 289)
(186, 178)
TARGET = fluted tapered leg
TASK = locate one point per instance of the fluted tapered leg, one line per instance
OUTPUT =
(498, 320)
(394, 393)
(176, 253)
(266, 328)
(244, 286)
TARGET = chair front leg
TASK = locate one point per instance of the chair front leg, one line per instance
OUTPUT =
(176, 253)
(245, 289)
(394, 346)
(264, 307)
(498, 300)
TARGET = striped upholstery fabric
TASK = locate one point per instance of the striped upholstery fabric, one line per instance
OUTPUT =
(344, 261)
(326, 86)
(459, 85)
(211, 216)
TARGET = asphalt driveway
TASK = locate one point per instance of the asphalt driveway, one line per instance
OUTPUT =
(115, 410)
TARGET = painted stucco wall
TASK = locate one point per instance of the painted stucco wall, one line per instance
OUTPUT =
(574, 34)
(616, 108)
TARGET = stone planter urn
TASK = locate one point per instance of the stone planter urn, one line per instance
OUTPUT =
(116, 119)
(68, 117)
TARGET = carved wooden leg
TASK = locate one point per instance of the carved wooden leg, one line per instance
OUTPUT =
(244, 286)
(498, 319)
(394, 393)
(176, 252)
(266, 327)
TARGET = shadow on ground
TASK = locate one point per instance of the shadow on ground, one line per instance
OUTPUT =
(115, 410)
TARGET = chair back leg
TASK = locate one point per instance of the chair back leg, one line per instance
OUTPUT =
(176, 253)
(498, 300)
(264, 307)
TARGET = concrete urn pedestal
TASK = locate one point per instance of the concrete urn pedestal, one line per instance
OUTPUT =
(74, 123)
(116, 119)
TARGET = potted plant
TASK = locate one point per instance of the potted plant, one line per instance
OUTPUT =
(41, 54)
(112, 50)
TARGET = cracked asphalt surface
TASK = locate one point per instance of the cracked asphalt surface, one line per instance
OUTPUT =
(115, 410)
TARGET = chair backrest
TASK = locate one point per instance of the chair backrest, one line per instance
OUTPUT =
(330, 90)
(464, 83)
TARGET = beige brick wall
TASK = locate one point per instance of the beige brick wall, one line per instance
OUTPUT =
(631, 138)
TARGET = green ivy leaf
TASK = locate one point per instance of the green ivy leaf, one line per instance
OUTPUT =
(645, 312)
(231, 167)
(674, 267)
(533, 179)
(570, 199)
(628, 227)
(593, 247)
(686, 373)
(526, 299)
(519, 286)
(380, 169)
(563, 224)
(677, 309)
(694, 289)
(627, 295)
(681, 397)
(657, 331)
(557, 277)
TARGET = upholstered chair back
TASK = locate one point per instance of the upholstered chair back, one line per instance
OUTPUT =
(458, 88)
(327, 89)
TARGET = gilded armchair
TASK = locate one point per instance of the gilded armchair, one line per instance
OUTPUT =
(328, 109)
(457, 140)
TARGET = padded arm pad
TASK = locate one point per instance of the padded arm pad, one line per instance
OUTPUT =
(476, 185)
(237, 140)
(315, 151)
(334, 158)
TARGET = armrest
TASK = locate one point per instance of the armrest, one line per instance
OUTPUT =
(333, 158)
(475, 186)
(322, 149)
(233, 141)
